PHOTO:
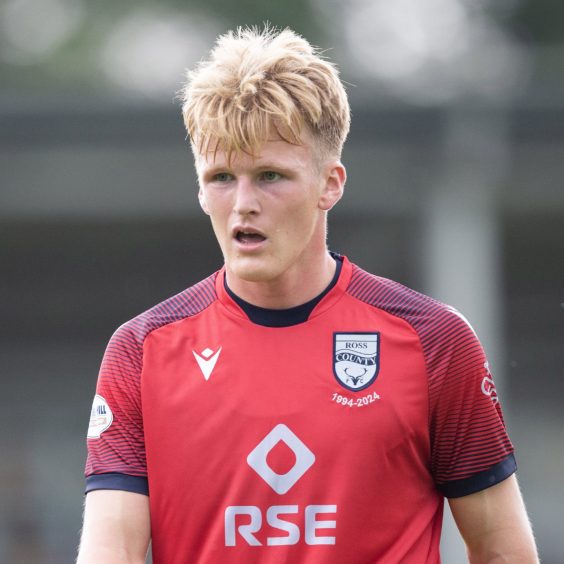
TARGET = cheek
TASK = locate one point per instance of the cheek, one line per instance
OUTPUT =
(217, 209)
(219, 223)
(299, 222)
(219, 226)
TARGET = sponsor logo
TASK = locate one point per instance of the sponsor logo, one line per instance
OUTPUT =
(206, 360)
(356, 359)
(101, 417)
(488, 385)
(281, 483)
(241, 522)
(293, 534)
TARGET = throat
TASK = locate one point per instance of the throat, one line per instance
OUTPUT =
(273, 311)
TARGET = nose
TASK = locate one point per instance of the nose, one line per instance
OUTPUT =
(246, 197)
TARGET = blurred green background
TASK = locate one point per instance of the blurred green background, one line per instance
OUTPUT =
(456, 188)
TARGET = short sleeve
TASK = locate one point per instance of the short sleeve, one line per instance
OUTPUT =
(116, 449)
(470, 448)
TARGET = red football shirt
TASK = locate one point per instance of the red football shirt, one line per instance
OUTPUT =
(333, 440)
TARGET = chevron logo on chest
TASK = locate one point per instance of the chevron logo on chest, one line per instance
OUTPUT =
(207, 360)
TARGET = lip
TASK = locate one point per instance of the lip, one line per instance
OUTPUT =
(246, 229)
(248, 246)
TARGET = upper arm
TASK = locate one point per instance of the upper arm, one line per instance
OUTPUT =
(494, 525)
(116, 515)
(115, 436)
(116, 528)
(470, 447)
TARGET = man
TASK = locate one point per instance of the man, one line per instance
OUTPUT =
(291, 407)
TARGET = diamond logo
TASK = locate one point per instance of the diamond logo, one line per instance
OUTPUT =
(281, 483)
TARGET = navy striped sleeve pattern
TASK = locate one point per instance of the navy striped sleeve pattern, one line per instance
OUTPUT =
(120, 449)
(467, 432)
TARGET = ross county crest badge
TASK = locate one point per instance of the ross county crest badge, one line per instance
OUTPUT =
(356, 359)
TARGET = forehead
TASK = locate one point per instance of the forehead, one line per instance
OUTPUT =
(274, 151)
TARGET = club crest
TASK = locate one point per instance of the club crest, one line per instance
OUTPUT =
(356, 359)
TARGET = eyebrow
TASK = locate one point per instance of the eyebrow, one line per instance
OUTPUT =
(215, 170)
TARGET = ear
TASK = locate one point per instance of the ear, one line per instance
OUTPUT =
(202, 200)
(335, 177)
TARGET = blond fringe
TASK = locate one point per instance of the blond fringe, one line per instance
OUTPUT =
(258, 83)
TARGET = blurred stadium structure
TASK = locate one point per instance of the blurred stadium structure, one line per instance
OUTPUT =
(456, 188)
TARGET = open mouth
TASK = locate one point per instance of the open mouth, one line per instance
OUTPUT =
(249, 238)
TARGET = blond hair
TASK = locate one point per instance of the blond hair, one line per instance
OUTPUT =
(257, 83)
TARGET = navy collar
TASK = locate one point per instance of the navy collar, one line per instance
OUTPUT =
(284, 317)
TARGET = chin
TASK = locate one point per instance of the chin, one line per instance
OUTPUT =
(252, 274)
(252, 270)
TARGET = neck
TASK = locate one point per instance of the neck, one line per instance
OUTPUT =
(288, 290)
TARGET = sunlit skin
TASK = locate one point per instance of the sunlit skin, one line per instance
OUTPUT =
(269, 214)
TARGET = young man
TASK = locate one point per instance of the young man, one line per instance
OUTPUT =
(291, 407)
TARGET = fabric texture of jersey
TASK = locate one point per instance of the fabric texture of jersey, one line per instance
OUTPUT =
(330, 441)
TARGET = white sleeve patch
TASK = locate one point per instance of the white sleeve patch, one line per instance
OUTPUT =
(101, 417)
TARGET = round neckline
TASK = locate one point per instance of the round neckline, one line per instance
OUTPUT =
(279, 318)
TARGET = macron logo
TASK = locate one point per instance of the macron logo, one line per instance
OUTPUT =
(206, 361)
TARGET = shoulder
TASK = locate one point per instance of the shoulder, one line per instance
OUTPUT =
(185, 304)
(433, 321)
(453, 355)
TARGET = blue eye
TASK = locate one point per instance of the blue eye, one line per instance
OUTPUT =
(271, 176)
(222, 177)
